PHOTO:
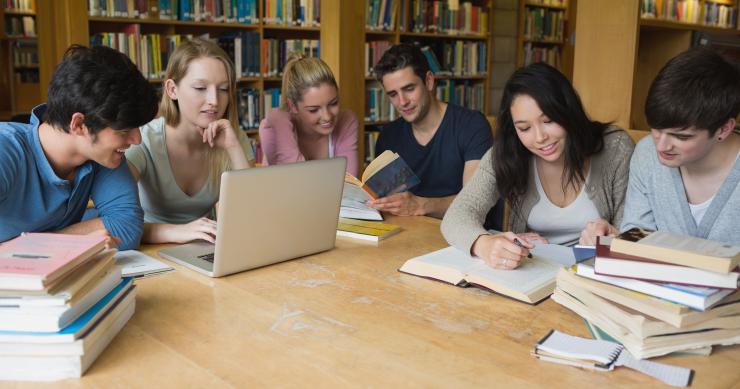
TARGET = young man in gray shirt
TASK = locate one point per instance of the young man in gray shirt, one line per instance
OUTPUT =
(684, 179)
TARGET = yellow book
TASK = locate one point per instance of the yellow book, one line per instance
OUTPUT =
(366, 230)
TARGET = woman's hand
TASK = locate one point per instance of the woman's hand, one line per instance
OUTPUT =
(500, 252)
(220, 134)
(594, 228)
(203, 229)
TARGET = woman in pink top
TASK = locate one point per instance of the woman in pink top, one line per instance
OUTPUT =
(309, 124)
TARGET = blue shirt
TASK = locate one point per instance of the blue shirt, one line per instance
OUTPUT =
(34, 199)
(463, 135)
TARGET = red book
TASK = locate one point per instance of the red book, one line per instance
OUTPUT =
(613, 264)
(35, 261)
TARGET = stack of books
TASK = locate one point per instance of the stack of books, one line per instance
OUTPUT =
(657, 293)
(62, 301)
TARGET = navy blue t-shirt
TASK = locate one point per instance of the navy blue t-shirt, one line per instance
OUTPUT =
(463, 135)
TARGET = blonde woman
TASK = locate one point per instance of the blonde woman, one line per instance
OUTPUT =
(310, 124)
(183, 152)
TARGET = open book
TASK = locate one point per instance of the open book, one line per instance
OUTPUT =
(532, 282)
(385, 175)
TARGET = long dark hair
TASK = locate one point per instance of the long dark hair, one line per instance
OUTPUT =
(559, 101)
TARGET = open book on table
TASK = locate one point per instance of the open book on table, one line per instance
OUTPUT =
(532, 282)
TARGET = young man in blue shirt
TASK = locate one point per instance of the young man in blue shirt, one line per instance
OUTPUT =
(442, 143)
(73, 151)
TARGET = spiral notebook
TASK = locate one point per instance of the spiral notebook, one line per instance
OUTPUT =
(604, 356)
(572, 350)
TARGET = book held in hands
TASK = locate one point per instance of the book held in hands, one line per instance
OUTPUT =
(386, 175)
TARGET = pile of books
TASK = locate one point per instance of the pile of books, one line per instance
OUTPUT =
(657, 293)
(62, 301)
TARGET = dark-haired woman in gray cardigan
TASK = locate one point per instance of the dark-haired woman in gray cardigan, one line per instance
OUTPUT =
(563, 175)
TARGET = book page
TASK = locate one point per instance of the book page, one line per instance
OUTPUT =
(137, 264)
(531, 275)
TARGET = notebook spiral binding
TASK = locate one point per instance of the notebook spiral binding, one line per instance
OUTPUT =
(615, 354)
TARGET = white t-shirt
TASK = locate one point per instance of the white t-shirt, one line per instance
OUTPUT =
(561, 225)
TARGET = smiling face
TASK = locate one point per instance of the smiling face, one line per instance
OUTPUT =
(409, 94)
(541, 136)
(108, 146)
(203, 93)
(682, 147)
(318, 109)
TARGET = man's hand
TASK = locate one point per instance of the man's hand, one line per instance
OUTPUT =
(401, 204)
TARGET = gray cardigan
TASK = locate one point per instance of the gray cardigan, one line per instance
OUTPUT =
(606, 186)
(656, 200)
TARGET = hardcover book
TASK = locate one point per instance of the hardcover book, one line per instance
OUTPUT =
(678, 249)
(34, 261)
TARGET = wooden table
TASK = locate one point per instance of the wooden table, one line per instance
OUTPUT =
(347, 317)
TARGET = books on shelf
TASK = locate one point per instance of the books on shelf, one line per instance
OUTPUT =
(380, 15)
(532, 282)
(536, 52)
(374, 51)
(366, 230)
(212, 11)
(447, 17)
(722, 14)
(677, 249)
(34, 261)
(543, 24)
(19, 5)
(386, 175)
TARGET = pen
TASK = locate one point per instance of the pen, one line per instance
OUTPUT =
(518, 243)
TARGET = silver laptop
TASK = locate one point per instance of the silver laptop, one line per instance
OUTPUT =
(269, 215)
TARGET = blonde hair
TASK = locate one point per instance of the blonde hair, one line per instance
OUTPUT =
(179, 62)
(301, 73)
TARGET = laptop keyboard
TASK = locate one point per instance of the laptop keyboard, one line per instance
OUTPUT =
(207, 257)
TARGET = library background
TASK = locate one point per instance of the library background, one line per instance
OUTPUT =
(472, 46)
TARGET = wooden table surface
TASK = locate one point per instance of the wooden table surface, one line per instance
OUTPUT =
(347, 317)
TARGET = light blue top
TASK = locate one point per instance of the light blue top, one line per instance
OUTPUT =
(34, 199)
(656, 200)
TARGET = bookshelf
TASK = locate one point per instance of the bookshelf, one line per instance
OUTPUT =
(455, 36)
(632, 51)
(544, 31)
(148, 30)
(19, 62)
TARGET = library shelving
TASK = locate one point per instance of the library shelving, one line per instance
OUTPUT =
(453, 36)
(257, 34)
(544, 31)
(613, 67)
(19, 62)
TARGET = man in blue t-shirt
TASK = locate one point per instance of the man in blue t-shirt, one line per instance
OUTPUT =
(73, 150)
(442, 143)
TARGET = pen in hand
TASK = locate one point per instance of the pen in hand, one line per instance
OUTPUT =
(518, 243)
